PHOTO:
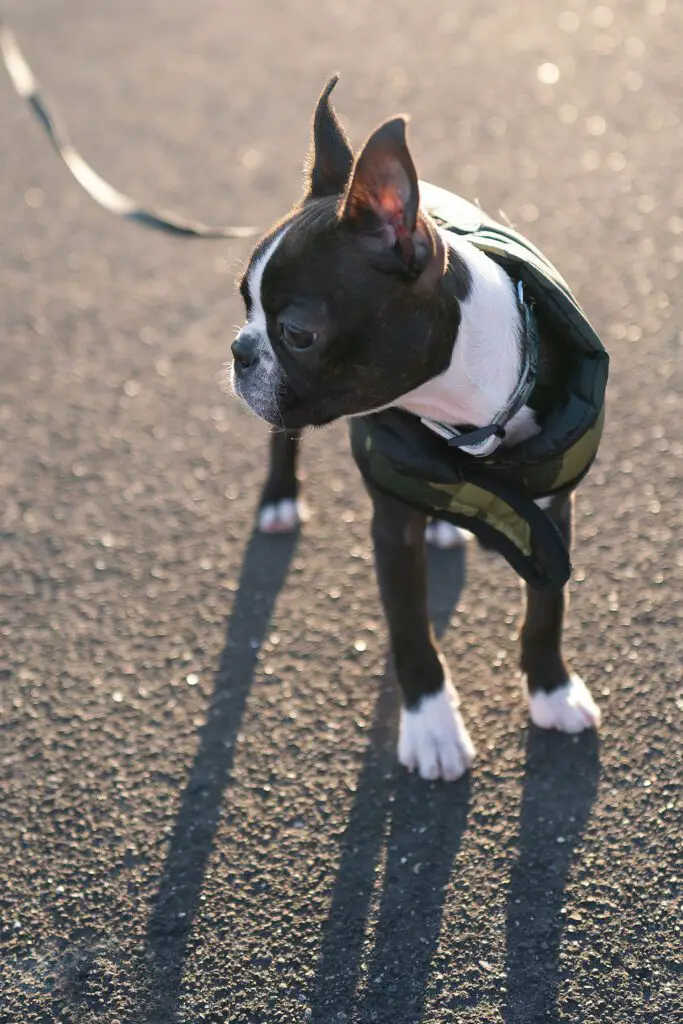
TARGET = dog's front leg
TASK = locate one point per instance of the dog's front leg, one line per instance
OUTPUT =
(280, 508)
(558, 698)
(433, 738)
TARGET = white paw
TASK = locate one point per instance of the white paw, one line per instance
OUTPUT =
(445, 536)
(433, 738)
(569, 708)
(281, 516)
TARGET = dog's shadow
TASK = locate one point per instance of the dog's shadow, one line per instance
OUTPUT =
(396, 861)
(398, 849)
(264, 571)
(559, 789)
(397, 858)
(175, 904)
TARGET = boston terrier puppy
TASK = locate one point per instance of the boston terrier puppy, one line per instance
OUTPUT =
(356, 302)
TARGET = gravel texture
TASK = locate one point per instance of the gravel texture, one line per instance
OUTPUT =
(203, 818)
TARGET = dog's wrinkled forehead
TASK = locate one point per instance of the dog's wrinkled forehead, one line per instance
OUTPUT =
(300, 259)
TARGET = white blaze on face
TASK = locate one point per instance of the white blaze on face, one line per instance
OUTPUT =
(261, 386)
(257, 316)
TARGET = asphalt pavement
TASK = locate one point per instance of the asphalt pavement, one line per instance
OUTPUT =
(202, 815)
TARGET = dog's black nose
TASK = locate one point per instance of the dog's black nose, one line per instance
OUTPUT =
(244, 351)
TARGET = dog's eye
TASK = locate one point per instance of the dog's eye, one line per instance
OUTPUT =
(296, 337)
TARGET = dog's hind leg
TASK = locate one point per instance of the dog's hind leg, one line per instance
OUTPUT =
(558, 698)
(280, 508)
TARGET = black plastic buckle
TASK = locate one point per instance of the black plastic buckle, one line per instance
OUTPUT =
(476, 436)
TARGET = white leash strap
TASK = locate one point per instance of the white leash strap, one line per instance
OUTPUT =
(108, 197)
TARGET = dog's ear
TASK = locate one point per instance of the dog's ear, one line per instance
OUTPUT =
(330, 157)
(383, 198)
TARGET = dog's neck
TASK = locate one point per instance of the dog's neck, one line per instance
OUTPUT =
(485, 363)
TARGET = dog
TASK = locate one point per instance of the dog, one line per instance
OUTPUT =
(358, 302)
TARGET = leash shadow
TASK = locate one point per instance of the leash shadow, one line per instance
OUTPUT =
(264, 570)
(407, 833)
(559, 789)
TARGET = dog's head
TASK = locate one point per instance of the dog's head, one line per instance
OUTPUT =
(345, 309)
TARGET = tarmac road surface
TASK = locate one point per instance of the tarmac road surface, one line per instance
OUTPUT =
(203, 818)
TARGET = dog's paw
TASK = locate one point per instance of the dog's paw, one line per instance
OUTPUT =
(570, 708)
(433, 739)
(283, 516)
(445, 536)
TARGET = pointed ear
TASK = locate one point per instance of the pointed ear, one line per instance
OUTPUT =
(330, 157)
(383, 198)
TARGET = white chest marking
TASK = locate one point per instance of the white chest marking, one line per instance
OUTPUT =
(485, 365)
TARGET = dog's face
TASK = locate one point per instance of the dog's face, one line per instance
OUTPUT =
(344, 307)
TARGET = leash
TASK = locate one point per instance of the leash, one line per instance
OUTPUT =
(105, 195)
